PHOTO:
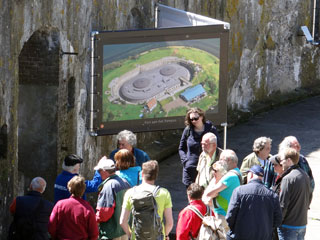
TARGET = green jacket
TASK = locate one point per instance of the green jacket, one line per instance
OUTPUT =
(111, 196)
(247, 163)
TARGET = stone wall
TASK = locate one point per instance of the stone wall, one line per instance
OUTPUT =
(267, 59)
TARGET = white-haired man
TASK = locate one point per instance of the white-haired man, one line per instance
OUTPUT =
(71, 167)
(128, 140)
(221, 192)
(31, 207)
(261, 152)
(210, 154)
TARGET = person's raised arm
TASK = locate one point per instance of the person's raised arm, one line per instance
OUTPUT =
(92, 185)
(214, 191)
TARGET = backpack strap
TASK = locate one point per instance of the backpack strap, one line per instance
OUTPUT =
(196, 211)
(100, 187)
(215, 204)
(155, 191)
(238, 174)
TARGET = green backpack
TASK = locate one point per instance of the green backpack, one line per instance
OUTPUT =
(146, 220)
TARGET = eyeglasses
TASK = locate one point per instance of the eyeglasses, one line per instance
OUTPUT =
(194, 119)
(274, 165)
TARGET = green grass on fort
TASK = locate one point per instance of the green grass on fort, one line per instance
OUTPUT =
(210, 72)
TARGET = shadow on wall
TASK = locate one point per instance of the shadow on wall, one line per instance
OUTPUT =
(37, 110)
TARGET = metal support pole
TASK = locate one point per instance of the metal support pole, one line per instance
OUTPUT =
(316, 16)
(225, 125)
(156, 9)
(91, 129)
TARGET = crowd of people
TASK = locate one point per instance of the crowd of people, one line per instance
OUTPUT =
(266, 198)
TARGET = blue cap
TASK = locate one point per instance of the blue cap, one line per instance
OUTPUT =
(257, 170)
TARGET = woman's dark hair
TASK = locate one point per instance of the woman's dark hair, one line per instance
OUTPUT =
(194, 110)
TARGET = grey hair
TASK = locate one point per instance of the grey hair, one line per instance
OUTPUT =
(38, 184)
(68, 168)
(231, 155)
(221, 167)
(260, 143)
(287, 142)
(129, 136)
(211, 136)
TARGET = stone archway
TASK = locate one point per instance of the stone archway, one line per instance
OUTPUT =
(38, 109)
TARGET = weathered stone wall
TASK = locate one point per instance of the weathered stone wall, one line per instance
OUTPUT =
(267, 59)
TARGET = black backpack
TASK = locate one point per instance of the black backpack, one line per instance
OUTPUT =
(146, 220)
(24, 226)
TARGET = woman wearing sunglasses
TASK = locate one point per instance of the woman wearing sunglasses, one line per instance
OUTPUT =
(190, 143)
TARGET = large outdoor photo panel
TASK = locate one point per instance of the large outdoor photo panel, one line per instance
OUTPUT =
(148, 79)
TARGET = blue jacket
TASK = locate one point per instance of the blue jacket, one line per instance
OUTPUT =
(253, 212)
(141, 156)
(132, 175)
(61, 190)
(190, 150)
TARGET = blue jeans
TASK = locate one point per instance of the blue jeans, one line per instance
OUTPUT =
(291, 233)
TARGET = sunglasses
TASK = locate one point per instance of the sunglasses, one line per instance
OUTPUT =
(274, 165)
(194, 119)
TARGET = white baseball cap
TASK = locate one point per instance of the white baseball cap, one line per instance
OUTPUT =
(105, 164)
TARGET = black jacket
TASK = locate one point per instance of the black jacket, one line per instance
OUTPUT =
(253, 212)
(26, 205)
(295, 196)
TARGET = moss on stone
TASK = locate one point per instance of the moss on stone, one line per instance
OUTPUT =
(232, 6)
(308, 75)
(260, 92)
(270, 44)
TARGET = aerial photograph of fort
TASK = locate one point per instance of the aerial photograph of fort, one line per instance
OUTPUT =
(162, 81)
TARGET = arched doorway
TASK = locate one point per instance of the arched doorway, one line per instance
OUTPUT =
(38, 109)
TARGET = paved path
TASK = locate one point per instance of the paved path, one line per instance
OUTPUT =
(301, 119)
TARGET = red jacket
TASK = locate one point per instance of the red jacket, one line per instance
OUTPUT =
(73, 218)
(188, 221)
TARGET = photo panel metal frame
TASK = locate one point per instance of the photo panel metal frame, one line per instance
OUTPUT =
(115, 50)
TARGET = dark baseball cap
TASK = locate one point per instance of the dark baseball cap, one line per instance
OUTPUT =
(72, 160)
(257, 170)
